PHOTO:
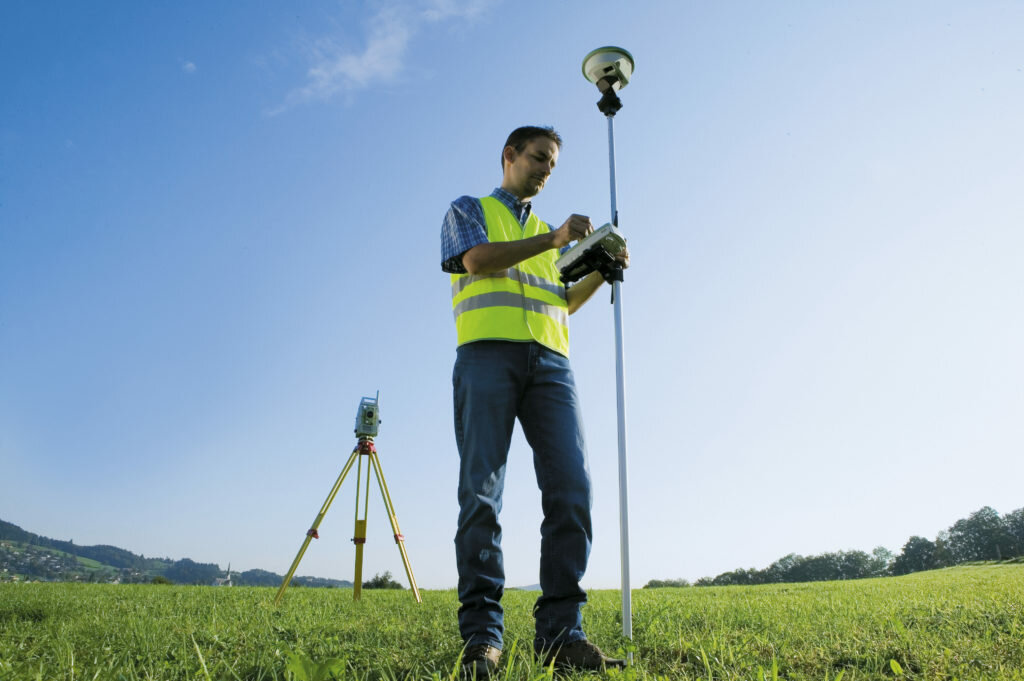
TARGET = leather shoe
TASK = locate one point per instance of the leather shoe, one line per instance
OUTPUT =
(480, 661)
(583, 655)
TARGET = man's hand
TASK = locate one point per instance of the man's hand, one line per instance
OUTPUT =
(580, 292)
(623, 258)
(573, 229)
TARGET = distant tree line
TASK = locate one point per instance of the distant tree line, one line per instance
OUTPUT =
(983, 535)
(796, 568)
(663, 583)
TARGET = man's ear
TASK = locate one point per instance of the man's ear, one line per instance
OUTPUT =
(509, 154)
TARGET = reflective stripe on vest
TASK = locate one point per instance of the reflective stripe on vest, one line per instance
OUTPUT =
(513, 273)
(525, 302)
(506, 299)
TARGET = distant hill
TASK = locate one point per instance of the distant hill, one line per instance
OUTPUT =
(25, 556)
(108, 555)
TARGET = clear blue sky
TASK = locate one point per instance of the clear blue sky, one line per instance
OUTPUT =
(219, 229)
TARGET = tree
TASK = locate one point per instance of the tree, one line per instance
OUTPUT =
(258, 578)
(666, 583)
(982, 536)
(1014, 523)
(382, 581)
(854, 565)
(186, 571)
(782, 570)
(918, 554)
(881, 561)
(943, 554)
(736, 577)
(816, 569)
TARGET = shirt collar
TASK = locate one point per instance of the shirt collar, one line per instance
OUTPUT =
(521, 209)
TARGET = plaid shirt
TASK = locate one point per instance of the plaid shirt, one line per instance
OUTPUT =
(464, 226)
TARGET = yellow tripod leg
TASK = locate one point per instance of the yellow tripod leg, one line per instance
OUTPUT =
(312, 532)
(399, 539)
(360, 540)
(359, 536)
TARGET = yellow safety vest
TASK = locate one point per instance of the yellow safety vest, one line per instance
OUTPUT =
(523, 303)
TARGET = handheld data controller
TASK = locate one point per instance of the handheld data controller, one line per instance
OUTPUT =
(596, 251)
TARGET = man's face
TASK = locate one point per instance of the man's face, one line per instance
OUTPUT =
(526, 171)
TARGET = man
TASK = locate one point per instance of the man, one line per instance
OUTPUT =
(511, 316)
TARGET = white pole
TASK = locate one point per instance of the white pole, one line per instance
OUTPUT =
(620, 398)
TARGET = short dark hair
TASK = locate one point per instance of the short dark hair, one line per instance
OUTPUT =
(520, 137)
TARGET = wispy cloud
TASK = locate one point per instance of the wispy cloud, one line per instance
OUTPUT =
(188, 67)
(437, 10)
(335, 69)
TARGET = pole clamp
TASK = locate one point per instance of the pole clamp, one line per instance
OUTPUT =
(313, 533)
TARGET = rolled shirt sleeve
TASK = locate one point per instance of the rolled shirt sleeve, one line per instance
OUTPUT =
(462, 229)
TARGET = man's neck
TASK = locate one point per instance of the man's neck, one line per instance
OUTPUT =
(513, 192)
(517, 197)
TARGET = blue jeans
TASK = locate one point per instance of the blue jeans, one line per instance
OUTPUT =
(494, 383)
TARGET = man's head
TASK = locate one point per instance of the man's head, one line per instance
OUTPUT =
(529, 155)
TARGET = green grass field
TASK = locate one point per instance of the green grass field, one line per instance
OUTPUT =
(962, 623)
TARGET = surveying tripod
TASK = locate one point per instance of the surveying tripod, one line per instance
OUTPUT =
(364, 447)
